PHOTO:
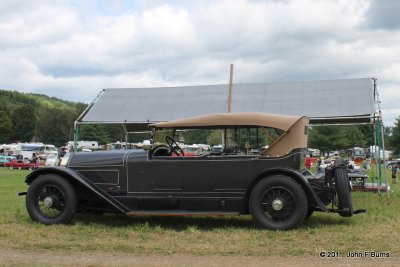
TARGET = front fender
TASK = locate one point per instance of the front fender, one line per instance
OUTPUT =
(74, 176)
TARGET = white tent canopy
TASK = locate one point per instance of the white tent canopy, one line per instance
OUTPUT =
(330, 101)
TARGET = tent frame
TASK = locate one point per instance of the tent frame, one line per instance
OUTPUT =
(374, 119)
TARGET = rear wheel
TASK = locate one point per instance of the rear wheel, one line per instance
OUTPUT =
(278, 203)
(51, 200)
(310, 212)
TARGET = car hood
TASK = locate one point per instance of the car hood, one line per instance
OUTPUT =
(102, 158)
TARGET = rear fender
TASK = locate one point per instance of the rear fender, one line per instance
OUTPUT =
(297, 176)
(75, 177)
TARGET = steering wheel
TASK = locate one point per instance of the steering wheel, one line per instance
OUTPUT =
(175, 148)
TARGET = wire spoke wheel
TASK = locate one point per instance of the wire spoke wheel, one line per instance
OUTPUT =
(278, 203)
(51, 201)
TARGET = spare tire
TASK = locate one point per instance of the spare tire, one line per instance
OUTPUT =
(342, 186)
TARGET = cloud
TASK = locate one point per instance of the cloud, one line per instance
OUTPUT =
(383, 15)
(73, 49)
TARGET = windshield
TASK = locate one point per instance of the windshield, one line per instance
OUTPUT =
(30, 147)
(237, 140)
(217, 149)
(51, 148)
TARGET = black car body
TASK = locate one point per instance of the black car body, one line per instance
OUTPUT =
(269, 185)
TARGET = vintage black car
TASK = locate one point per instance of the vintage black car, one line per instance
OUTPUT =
(246, 177)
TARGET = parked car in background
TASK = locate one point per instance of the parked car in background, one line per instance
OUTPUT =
(9, 149)
(389, 164)
(62, 151)
(47, 150)
(52, 160)
(163, 181)
(217, 149)
(193, 150)
(5, 159)
(21, 164)
(28, 150)
(92, 145)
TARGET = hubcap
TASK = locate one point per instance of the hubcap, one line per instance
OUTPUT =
(277, 204)
(48, 201)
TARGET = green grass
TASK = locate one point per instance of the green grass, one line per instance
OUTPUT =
(376, 230)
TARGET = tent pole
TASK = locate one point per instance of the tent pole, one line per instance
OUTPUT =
(76, 136)
(126, 136)
(230, 90)
(79, 119)
(375, 153)
(384, 158)
(378, 134)
(382, 137)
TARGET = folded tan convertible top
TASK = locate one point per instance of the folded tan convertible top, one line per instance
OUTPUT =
(283, 122)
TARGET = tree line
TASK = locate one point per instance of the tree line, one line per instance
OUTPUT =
(39, 118)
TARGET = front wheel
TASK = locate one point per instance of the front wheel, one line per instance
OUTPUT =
(278, 203)
(51, 200)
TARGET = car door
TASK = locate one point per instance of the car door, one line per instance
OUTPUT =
(166, 175)
(213, 174)
(154, 175)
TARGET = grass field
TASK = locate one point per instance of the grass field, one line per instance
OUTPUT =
(377, 230)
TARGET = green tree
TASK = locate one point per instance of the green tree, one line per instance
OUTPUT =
(320, 137)
(353, 137)
(395, 138)
(117, 133)
(388, 131)
(327, 138)
(6, 128)
(215, 137)
(368, 132)
(56, 127)
(24, 121)
(90, 132)
(196, 136)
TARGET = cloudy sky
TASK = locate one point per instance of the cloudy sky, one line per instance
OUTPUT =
(73, 49)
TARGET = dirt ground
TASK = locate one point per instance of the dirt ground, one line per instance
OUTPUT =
(67, 258)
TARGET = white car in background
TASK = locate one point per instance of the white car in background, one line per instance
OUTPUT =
(52, 160)
(46, 150)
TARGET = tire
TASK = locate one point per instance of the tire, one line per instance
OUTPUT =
(310, 212)
(51, 199)
(278, 203)
(342, 186)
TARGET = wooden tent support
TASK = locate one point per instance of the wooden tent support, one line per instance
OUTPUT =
(230, 90)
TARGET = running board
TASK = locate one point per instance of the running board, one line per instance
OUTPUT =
(179, 213)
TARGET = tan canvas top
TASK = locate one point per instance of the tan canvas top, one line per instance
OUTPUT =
(282, 122)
